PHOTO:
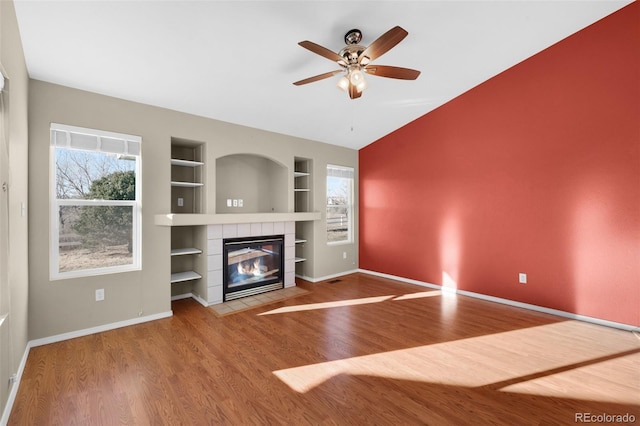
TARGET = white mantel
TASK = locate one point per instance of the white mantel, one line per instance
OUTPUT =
(175, 219)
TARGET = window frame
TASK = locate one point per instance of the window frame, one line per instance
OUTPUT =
(350, 203)
(55, 203)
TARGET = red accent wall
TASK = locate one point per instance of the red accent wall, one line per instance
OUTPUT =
(537, 170)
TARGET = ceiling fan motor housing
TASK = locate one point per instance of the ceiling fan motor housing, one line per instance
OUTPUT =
(353, 36)
(351, 53)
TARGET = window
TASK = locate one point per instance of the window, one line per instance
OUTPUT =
(339, 204)
(95, 202)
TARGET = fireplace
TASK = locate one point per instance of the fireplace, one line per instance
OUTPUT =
(252, 265)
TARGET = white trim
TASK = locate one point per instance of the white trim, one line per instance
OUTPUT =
(55, 204)
(327, 277)
(98, 329)
(200, 300)
(191, 295)
(351, 208)
(97, 203)
(13, 392)
(95, 132)
(564, 314)
(181, 296)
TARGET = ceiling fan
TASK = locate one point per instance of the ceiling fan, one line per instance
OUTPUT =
(355, 61)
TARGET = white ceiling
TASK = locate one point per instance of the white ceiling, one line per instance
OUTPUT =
(236, 60)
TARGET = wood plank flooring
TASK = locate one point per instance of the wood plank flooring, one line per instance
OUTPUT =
(364, 350)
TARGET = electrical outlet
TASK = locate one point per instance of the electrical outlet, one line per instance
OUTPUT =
(235, 203)
(522, 278)
(180, 202)
(99, 294)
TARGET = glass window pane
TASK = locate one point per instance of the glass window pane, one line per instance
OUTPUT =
(94, 175)
(337, 223)
(339, 203)
(92, 237)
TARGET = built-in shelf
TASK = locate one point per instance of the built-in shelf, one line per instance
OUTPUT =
(302, 190)
(300, 259)
(300, 241)
(185, 163)
(300, 174)
(186, 184)
(178, 277)
(185, 251)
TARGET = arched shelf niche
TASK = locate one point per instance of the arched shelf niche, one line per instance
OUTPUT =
(260, 182)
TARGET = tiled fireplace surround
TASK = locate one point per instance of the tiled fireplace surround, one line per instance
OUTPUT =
(216, 233)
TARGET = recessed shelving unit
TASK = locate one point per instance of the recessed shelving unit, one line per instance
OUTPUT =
(302, 184)
(187, 196)
(187, 177)
(302, 195)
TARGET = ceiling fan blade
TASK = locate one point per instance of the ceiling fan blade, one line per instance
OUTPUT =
(354, 92)
(383, 44)
(317, 77)
(392, 72)
(322, 51)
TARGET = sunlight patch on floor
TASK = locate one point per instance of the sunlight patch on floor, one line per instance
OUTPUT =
(327, 305)
(584, 382)
(531, 360)
(419, 295)
(353, 302)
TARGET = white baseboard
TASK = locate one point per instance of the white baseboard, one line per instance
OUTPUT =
(66, 336)
(200, 300)
(13, 392)
(191, 296)
(564, 314)
(327, 277)
(181, 296)
(98, 329)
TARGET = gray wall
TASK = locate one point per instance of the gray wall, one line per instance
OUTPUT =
(14, 291)
(258, 181)
(68, 305)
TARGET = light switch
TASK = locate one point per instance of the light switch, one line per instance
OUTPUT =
(228, 202)
(235, 203)
(180, 202)
(240, 203)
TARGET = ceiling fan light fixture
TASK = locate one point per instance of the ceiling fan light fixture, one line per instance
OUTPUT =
(362, 85)
(343, 83)
(356, 76)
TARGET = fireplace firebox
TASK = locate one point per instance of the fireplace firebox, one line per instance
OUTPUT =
(252, 266)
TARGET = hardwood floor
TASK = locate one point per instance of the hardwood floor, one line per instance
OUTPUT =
(364, 350)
